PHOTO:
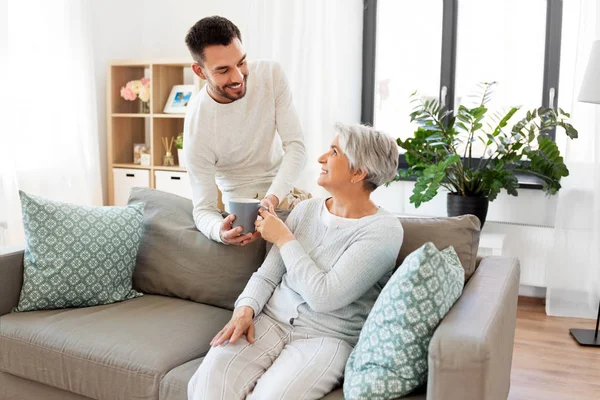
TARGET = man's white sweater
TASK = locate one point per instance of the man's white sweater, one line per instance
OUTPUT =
(252, 147)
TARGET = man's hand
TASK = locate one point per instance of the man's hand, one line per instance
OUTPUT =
(270, 200)
(241, 323)
(232, 236)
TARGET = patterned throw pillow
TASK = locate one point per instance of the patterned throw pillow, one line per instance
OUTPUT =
(78, 256)
(390, 358)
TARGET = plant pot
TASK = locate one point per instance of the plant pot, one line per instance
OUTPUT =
(180, 158)
(461, 205)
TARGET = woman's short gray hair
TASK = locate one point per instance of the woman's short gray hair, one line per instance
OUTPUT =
(370, 151)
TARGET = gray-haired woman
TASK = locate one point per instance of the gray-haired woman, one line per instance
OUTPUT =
(301, 313)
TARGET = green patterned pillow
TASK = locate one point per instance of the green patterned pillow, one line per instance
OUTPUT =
(390, 358)
(78, 256)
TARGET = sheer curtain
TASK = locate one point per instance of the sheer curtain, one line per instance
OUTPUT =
(319, 45)
(49, 140)
(573, 277)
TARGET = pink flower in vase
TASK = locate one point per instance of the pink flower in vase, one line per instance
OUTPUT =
(145, 81)
(127, 94)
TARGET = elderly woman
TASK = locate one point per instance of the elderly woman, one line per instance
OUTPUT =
(301, 313)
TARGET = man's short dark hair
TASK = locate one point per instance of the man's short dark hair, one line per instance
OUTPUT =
(210, 31)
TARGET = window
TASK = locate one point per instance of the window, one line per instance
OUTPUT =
(507, 48)
(443, 48)
(403, 62)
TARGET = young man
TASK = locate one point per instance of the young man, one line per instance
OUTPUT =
(241, 130)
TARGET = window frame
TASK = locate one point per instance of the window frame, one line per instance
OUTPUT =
(551, 72)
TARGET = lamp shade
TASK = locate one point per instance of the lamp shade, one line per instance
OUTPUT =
(590, 88)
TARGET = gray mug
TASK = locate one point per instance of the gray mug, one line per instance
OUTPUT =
(246, 212)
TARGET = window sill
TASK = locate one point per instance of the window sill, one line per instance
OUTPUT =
(525, 181)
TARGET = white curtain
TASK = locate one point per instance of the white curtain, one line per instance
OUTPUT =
(573, 277)
(319, 44)
(49, 137)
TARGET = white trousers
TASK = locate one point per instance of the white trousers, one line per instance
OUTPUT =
(281, 364)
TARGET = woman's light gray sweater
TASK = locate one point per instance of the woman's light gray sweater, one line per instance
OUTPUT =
(328, 279)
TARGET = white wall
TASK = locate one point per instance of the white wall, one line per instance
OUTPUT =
(116, 34)
(3, 54)
(531, 207)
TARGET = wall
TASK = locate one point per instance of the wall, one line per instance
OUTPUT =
(3, 57)
(116, 34)
(531, 207)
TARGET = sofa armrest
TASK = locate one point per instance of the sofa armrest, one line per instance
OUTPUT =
(470, 354)
(11, 280)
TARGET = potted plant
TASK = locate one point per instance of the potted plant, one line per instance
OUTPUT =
(179, 145)
(440, 153)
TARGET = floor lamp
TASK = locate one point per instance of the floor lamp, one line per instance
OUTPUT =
(590, 93)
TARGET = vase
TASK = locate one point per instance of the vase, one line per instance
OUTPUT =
(180, 158)
(144, 107)
(461, 205)
(168, 160)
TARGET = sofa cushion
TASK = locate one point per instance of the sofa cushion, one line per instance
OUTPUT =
(174, 384)
(15, 388)
(338, 394)
(175, 259)
(462, 233)
(77, 256)
(111, 352)
(390, 358)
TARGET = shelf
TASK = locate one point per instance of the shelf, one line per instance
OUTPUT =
(155, 167)
(184, 63)
(168, 115)
(163, 168)
(140, 115)
(131, 63)
(128, 126)
(119, 75)
(168, 128)
(130, 115)
(130, 166)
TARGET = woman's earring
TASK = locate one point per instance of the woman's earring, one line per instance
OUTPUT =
(352, 181)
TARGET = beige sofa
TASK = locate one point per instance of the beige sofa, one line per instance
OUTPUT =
(149, 347)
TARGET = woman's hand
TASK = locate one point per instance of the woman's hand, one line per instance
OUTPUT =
(241, 323)
(273, 229)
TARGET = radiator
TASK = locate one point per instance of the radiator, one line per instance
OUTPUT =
(531, 244)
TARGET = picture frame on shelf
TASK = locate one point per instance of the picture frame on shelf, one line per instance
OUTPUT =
(145, 160)
(179, 98)
(138, 150)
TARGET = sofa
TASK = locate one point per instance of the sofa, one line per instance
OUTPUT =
(149, 347)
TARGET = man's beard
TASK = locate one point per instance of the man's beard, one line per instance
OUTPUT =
(221, 90)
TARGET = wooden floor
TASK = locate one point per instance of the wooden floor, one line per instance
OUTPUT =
(547, 362)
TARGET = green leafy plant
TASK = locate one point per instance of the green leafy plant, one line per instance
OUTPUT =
(179, 141)
(440, 153)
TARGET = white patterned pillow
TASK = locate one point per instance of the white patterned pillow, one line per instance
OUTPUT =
(78, 256)
(390, 358)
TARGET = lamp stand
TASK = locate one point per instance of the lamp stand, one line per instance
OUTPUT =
(587, 337)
